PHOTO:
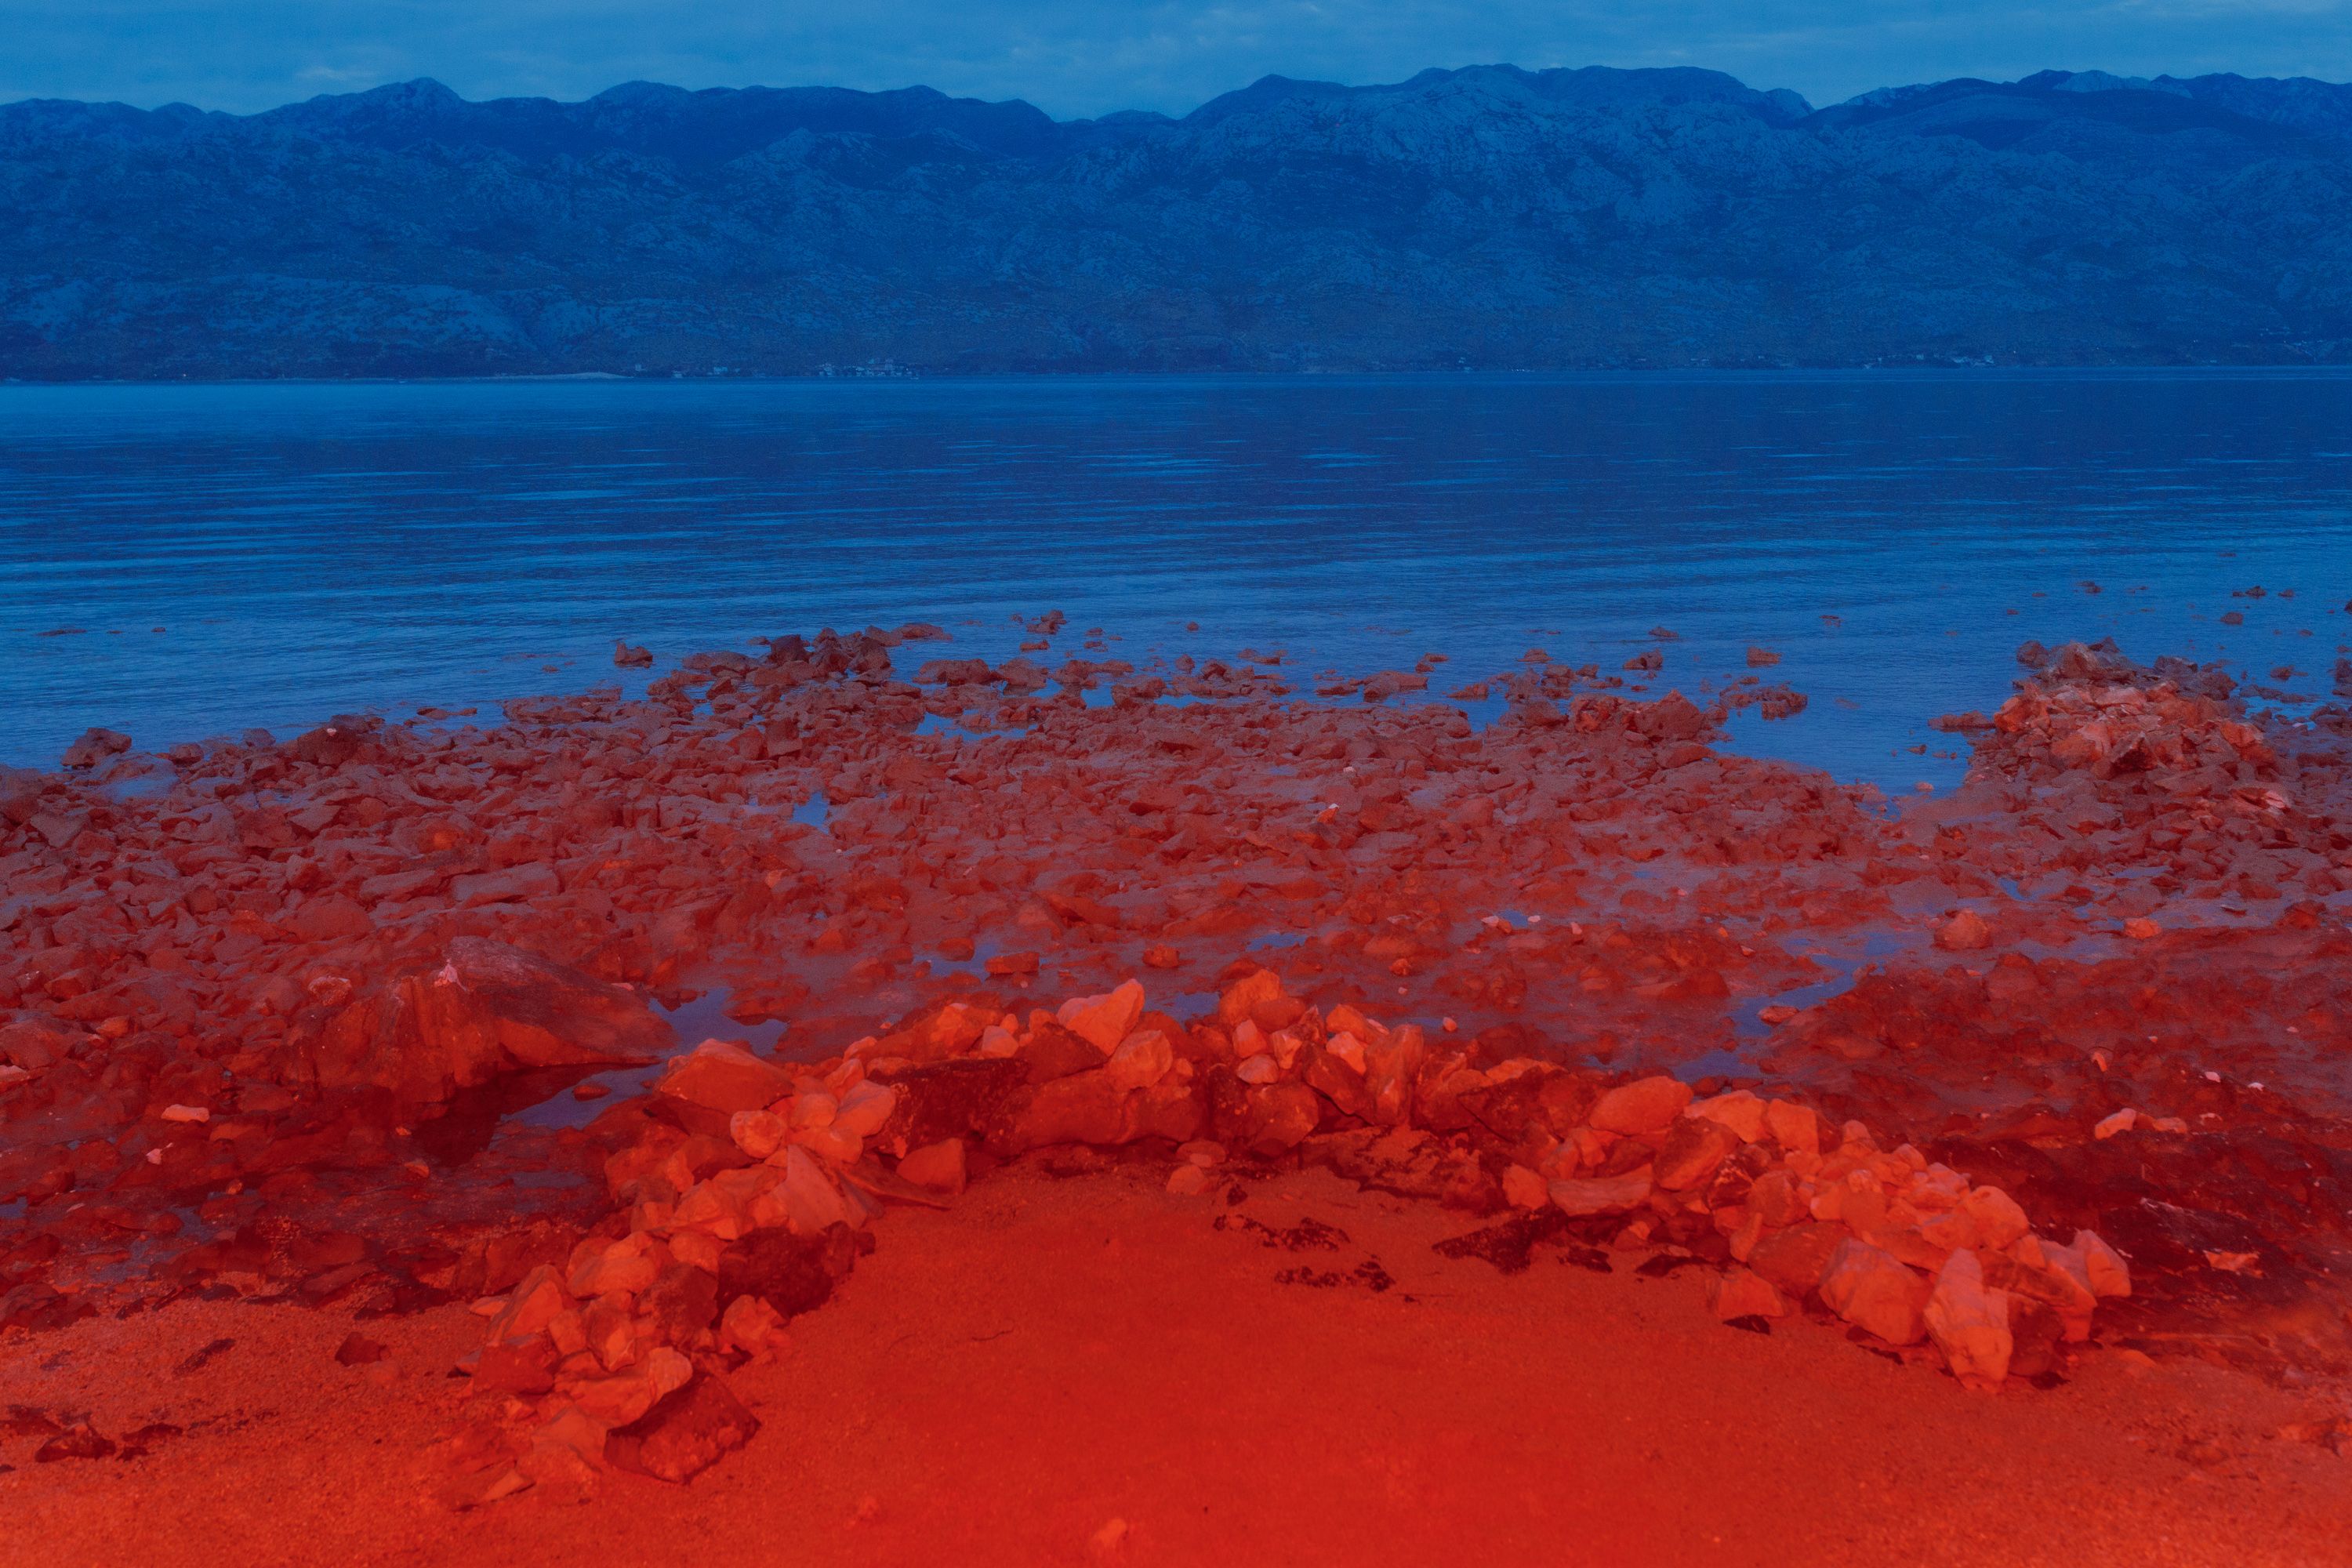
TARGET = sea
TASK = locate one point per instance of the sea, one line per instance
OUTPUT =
(188, 562)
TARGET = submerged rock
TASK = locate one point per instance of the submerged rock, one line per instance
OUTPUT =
(487, 1008)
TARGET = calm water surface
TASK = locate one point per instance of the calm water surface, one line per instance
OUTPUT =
(222, 557)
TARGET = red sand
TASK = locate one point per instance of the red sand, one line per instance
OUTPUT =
(2133, 904)
(1005, 1380)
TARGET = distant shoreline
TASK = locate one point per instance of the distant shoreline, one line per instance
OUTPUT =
(2264, 370)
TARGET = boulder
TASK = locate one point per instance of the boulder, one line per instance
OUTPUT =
(2105, 1269)
(1964, 932)
(1052, 1051)
(1261, 1118)
(337, 917)
(1602, 1195)
(1695, 1147)
(94, 747)
(1795, 1258)
(792, 1273)
(1969, 1323)
(1744, 1293)
(1104, 1021)
(1998, 1219)
(629, 1395)
(1792, 1126)
(811, 1199)
(1142, 1059)
(937, 1167)
(1392, 1064)
(530, 1307)
(751, 1325)
(681, 1303)
(1740, 1110)
(1645, 1105)
(20, 795)
(1871, 1289)
(485, 1009)
(1083, 1107)
(515, 884)
(628, 1264)
(865, 1108)
(949, 1100)
(35, 1044)
(684, 1434)
(759, 1133)
(1258, 997)
(725, 1077)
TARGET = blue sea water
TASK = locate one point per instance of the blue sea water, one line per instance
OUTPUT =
(181, 561)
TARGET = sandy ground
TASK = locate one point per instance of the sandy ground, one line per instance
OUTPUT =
(1001, 1383)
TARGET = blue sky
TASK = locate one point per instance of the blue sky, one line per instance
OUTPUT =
(1086, 57)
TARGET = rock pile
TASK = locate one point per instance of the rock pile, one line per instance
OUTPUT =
(743, 1188)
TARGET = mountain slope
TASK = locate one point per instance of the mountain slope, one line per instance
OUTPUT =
(1486, 217)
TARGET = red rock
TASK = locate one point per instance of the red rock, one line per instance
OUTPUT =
(1795, 1258)
(333, 918)
(810, 1195)
(487, 1008)
(1242, 1000)
(1174, 1109)
(1743, 1293)
(685, 1434)
(1083, 1108)
(1870, 1289)
(1142, 1059)
(792, 1273)
(1264, 1119)
(1964, 932)
(1645, 1105)
(753, 1326)
(1578, 1196)
(1792, 1126)
(20, 793)
(681, 1303)
(1104, 1021)
(630, 1394)
(94, 747)
(515, 883)
(35, 1044)
(725, 1077)
(1052, 1052)
(946, 1099)
(1969, 1323)
(531, 1306)
(941, 1166)
(524, 1368)
(1695, 1147)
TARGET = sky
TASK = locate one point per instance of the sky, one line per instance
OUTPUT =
(1073, 58)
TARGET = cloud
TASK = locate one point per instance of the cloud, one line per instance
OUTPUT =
(1085, 57)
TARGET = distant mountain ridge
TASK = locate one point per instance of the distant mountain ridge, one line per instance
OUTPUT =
(1486, 217)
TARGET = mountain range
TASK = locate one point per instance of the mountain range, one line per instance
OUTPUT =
(1485, 218)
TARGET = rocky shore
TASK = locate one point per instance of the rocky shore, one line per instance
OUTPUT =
(2053, 1061)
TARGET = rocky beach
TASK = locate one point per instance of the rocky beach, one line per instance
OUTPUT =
(551, 1094)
